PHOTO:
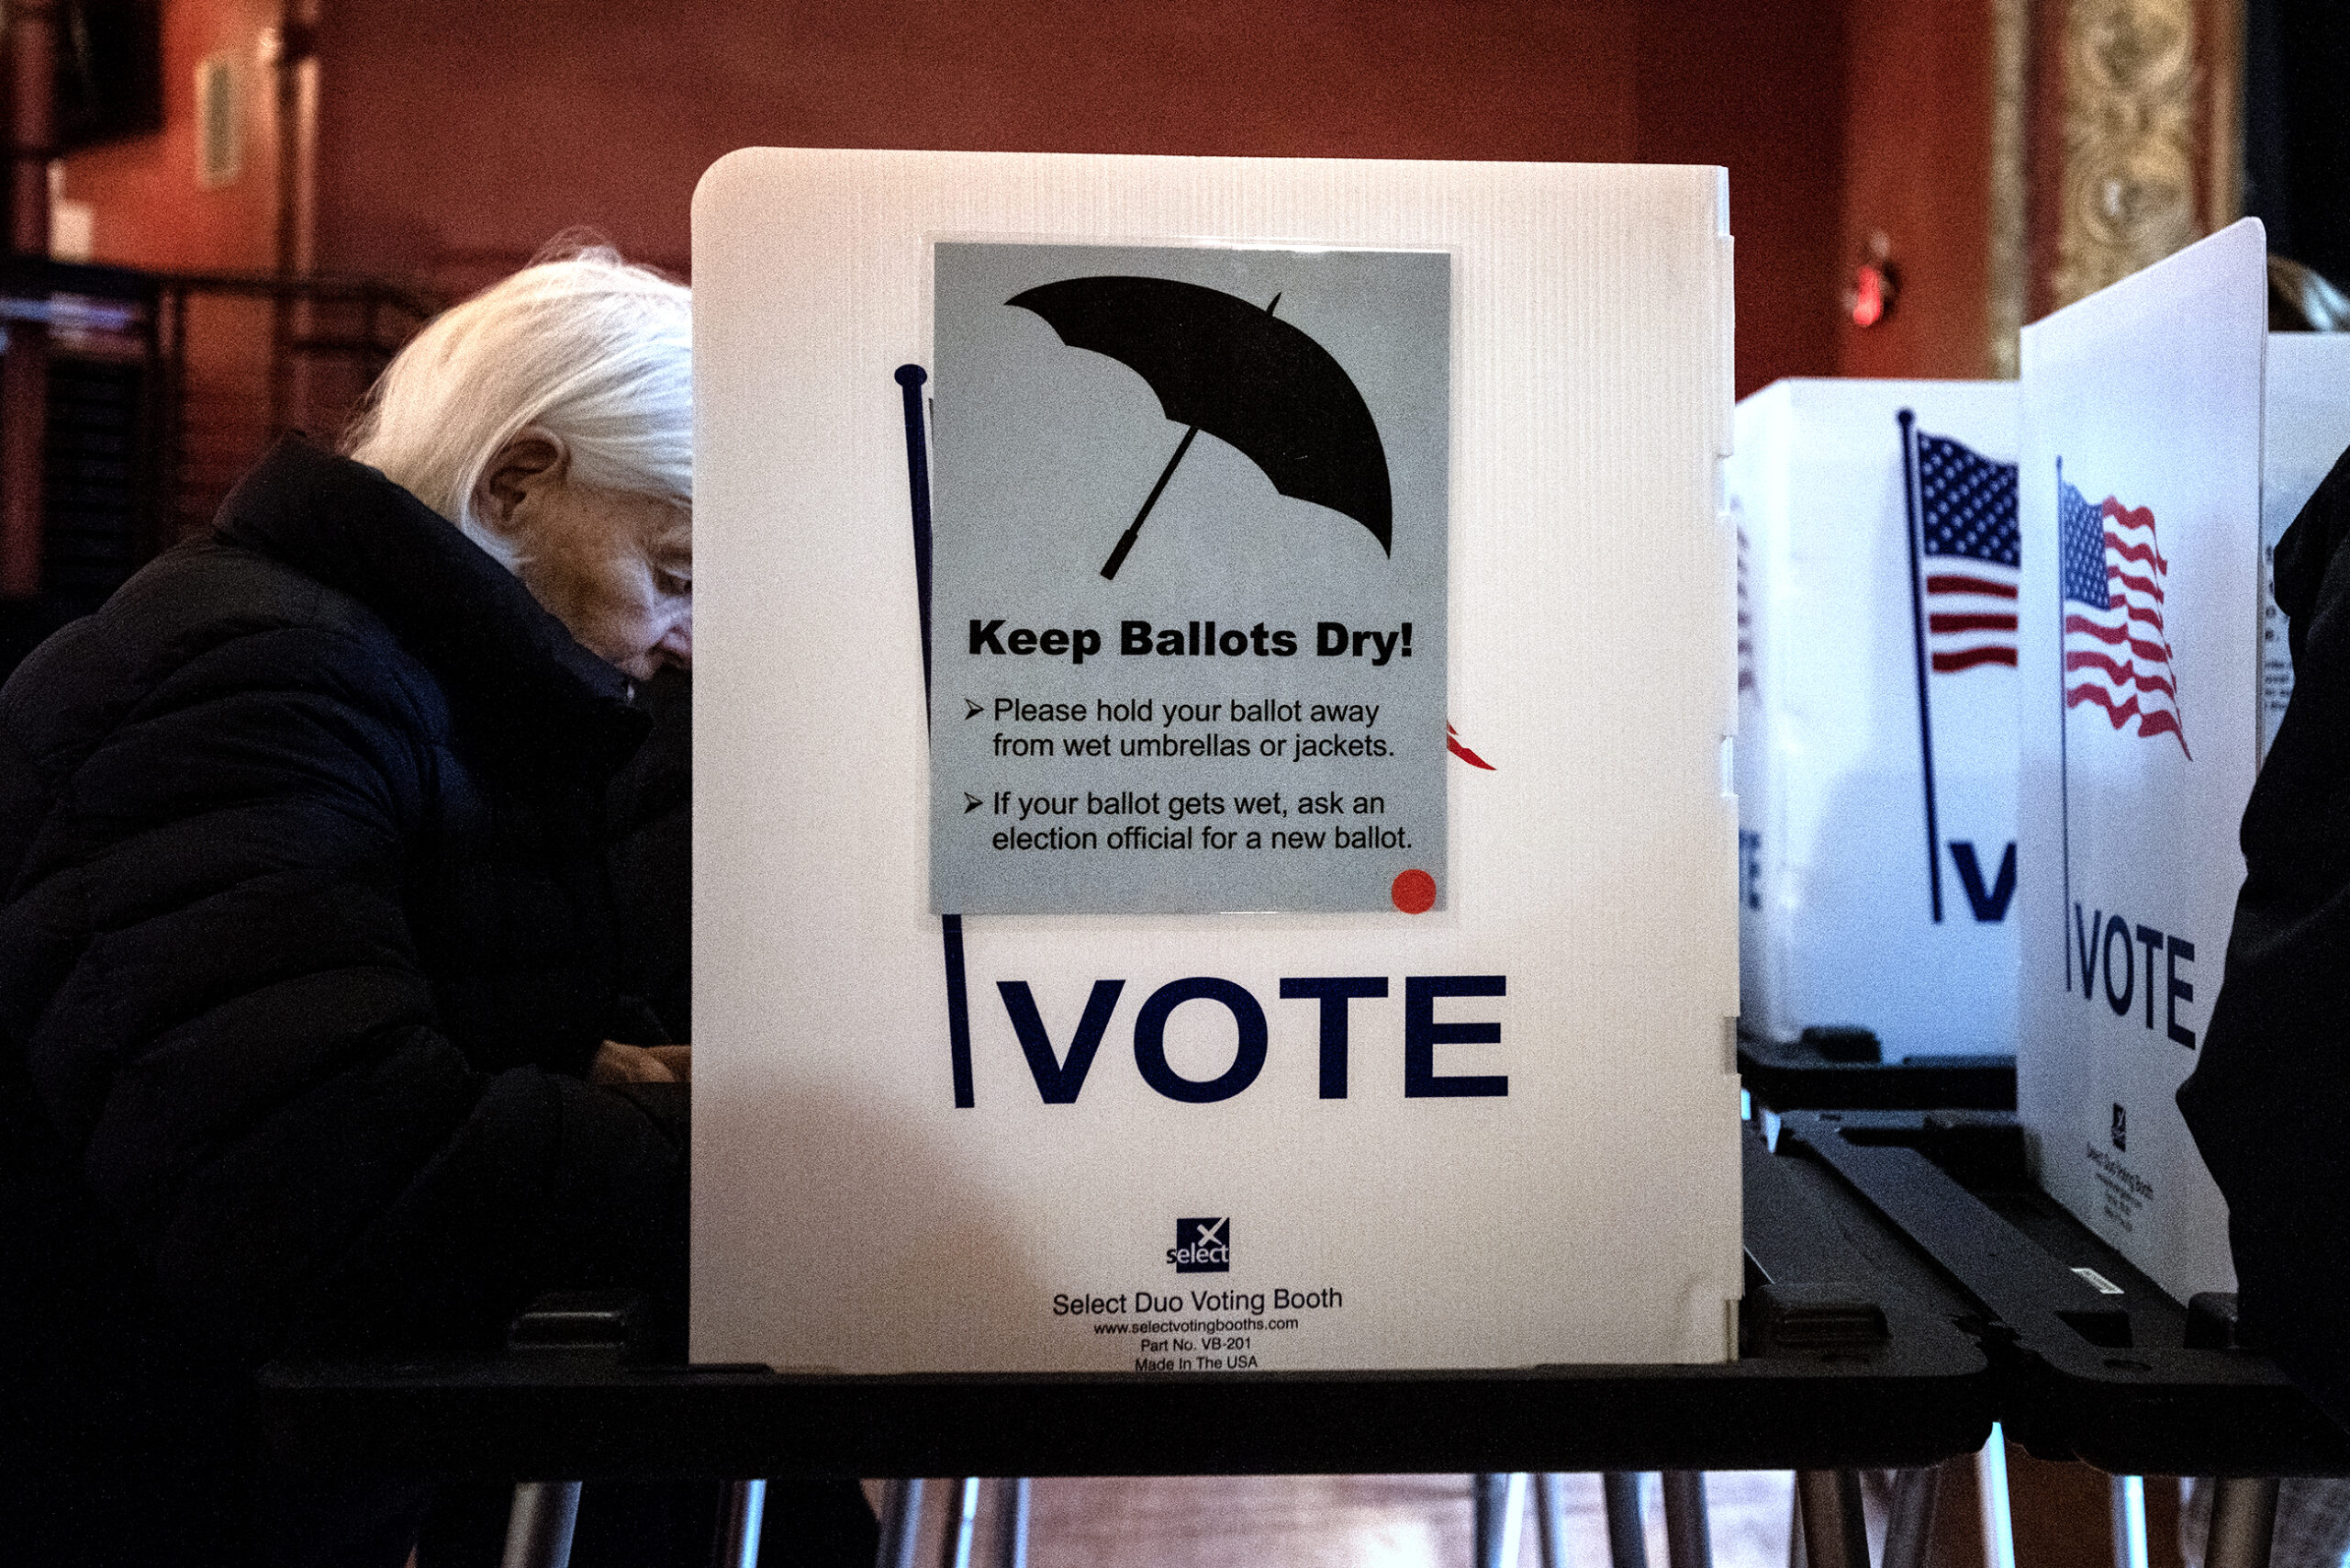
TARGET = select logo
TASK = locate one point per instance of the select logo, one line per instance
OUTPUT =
(1201, 1247)
(2121, 1129)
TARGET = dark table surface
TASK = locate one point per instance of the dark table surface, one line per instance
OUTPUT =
(1848, 1357)
(1844, 1069)
(2124, 1377)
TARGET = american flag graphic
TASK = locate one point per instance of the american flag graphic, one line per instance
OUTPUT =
(2116, 653)
(1966, 504)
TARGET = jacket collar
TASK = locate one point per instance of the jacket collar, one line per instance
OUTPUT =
(519, 686)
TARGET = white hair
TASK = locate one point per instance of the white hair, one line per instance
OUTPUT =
(595, 351)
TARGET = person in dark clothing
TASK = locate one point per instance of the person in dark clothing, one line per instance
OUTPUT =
(314, 1039)
(652, 856)
(2270, 1097)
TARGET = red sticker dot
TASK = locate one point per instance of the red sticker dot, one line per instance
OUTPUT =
(1414, 892)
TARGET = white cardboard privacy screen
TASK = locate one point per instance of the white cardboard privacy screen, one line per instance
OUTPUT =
(1515, 1141)
(2141, 730)
(1877, 859)
(2212, 447)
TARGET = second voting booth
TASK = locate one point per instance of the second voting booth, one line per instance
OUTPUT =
(1876, 613)
(2168, 440)
(1219, 854)
(1983, 685)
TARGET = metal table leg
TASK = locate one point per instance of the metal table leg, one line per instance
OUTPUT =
(1011, 1547)
(738, 1525)
(1688, 1542)
(1486, 1494)
(1835, 1532)
(1909, 1524)
(962, 1526)
(1628, 1538)
(1991, 1490)
(1500, 1503)
(2244, 1522)
(1551, 1518)
(2129, 1522)
(901, 1523)
(538, 1527)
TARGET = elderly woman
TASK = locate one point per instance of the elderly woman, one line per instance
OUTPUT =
(309, 1034)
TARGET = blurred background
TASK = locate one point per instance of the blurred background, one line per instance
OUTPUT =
(224, 215)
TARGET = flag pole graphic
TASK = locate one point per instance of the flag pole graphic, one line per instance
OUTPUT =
(910, 379)
(1918, 627)
(2063, 749)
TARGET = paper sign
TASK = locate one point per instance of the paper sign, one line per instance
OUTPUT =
(1189, 578)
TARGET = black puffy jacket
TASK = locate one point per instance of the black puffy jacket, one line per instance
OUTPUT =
(306, 942)
(2270, 1097)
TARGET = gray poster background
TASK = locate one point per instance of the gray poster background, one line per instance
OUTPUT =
(1041, 456)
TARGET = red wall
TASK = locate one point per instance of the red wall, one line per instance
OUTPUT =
(1759, 90)
(1918, 168)
(148, 208)
(456, 138)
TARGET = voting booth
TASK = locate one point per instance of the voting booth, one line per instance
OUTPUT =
(1877, 564)
(1212, 838)
(2154, 668)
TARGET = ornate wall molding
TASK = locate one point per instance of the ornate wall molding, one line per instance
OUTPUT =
(2011, 250)
(2220, 49)
(2128, 197)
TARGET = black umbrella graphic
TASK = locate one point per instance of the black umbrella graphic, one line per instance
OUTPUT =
(1244, 375)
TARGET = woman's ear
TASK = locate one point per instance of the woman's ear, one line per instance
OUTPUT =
(524, 466)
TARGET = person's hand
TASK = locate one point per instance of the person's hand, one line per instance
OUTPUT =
(617, 1063)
